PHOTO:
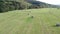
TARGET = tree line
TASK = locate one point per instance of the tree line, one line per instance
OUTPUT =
(13, 5)
(6, 6)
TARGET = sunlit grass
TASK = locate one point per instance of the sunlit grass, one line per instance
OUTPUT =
(19, 22)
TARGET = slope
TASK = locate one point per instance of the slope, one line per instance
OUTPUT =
(19, 22)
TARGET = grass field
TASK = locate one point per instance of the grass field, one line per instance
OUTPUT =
(19, 22)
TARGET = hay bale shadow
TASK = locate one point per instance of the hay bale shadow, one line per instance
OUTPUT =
(56, 25)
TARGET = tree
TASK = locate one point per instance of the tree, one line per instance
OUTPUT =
(3, 7)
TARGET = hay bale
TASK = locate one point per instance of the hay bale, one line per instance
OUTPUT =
(32, 16)
(57, 25)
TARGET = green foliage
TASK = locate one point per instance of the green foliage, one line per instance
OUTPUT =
(34, 7)
(9, 5)
(25, 5)
(3, 7)
(13, 5)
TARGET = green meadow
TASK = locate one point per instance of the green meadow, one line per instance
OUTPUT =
(21, 21)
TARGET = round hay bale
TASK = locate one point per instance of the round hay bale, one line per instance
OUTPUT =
(57, 25)
(32, 16)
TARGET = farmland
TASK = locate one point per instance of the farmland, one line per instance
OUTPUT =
(19, 22)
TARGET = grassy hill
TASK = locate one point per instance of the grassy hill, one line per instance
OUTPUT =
(21, 22)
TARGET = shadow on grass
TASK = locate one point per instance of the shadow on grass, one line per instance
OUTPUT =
(55, 26)
(3, 12)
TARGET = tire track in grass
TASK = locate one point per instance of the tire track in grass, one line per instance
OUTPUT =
(49, 17)
(54, 19)
(51, 21)
(28, 20)
(26, 26)
(47, 27)
(44, 26)
(24, 29)
(29, 29)
(41, 26)
(36, 26)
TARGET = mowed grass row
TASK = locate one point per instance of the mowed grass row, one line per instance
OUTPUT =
(19, 22)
